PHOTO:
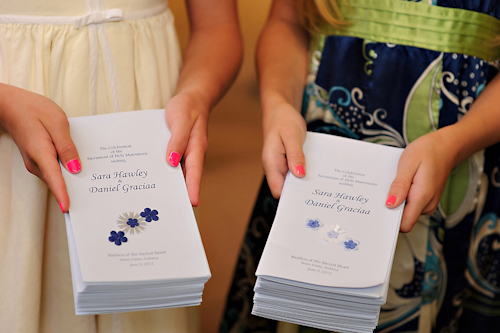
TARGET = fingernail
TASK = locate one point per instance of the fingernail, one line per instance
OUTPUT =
(74, 166)
(60, 206)
(391, 200)
(300, 170)
(174, 158)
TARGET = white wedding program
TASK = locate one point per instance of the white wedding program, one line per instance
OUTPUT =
(327, 261)
(133, 239)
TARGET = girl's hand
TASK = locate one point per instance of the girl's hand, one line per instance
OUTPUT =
(284, 134)
(423, 170)
(187, 119)
(40, 129)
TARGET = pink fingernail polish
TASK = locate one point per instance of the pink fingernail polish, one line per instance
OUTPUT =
(60, 206)
(174, 158)
(74, 166)
(300, 170)
(391, 200)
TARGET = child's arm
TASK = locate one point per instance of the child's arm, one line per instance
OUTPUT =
(282, 64)
(426, 163)
(212, 60)
(40, 129)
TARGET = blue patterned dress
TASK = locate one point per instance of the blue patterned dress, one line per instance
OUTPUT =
(446, 274)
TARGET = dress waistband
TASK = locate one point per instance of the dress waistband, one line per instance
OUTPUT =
(93, 17)
(421, 25)
(94, 21)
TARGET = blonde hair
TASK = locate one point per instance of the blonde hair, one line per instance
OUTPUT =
(315, 13)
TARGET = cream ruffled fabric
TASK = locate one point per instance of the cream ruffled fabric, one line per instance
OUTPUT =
(53, 60)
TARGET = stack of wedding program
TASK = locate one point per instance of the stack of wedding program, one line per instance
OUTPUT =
(327, 261)
(133, 239)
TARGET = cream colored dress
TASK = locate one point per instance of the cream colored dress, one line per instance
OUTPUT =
(90, 57)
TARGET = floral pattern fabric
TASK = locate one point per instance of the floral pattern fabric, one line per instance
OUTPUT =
(446, 275)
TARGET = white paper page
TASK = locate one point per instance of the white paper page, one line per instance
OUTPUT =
(343, 195)
(124, 171)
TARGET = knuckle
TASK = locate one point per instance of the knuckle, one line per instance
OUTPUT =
(295, 154)
(31, 167)
(42, 174)
(31, 148)
(60, 117)
(266, 164)
(268, 157)
(429, 209)
(399, 184)
(65, 147)
(204, 145)
(406, 228)
(45, 179)
(194, 174)
(63, 120)
(180, 118)
(197, 152)
(275, 191)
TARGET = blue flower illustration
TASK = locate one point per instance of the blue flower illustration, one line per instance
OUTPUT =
(350, 245)
(117, 237)
(314, 224)
(133, 223)
(150, 215)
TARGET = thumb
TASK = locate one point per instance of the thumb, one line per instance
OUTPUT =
(66, 149)
(68, 155)
(296, 160)
(400, 186)
(181, 131)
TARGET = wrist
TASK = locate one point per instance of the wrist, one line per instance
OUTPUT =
(283, 118)
(456, 142)
(273, 101)
(193, 101)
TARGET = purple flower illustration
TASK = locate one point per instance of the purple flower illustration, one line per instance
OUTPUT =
(150, 215)
(350, 245)
(117, 237)
(314, 224)
(133, 223)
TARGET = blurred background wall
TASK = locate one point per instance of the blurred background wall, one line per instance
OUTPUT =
(233, 170)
